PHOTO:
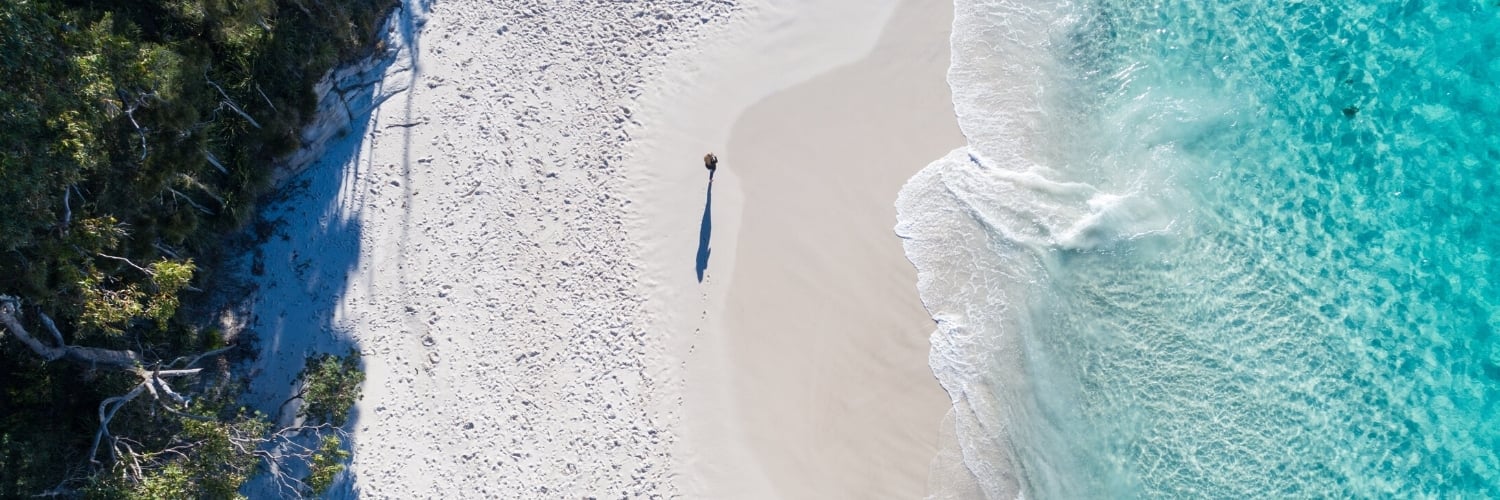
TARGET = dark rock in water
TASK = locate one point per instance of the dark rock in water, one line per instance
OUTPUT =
(1350, 111)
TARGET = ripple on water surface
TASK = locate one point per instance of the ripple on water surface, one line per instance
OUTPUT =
(1236, 248)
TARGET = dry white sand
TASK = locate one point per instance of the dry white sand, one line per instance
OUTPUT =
(512, 241)
(468, 239)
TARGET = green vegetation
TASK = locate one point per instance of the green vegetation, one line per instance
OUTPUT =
(327, 463)
(133, 137)
(331, 387)
(215, 468)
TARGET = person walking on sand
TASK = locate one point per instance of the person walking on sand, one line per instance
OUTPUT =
(711, 162)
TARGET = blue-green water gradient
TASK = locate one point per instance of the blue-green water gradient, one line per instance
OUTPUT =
(1288, 279)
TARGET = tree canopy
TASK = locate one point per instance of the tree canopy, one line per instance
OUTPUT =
(133, 137)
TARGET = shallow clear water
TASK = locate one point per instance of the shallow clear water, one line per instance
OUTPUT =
(1220, 249)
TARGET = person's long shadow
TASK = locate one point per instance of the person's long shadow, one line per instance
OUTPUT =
(706, 229)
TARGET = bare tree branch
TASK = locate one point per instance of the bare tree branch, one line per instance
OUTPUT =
(268, 100)
(117, 359)
(131, 105)
(130, 113)
(230, 102)
(198, 357)
(9, 307)
(127, 261)
(80, 193)
(124, 360)
(107, 410)
(299, 5)
(52, 327)
(284, 447)
(300, 393)
(280, 451)
(157, 387)
(166, 389)
(67, 208)
(191, 182)
(214, 160)
(165, 250)
(190, 201)
(176, 373)
(132, 463)
(184, 414)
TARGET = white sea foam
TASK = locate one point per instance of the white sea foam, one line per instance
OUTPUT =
(981, 223)
(1182, 254)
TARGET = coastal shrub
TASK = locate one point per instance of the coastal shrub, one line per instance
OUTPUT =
(331, 387)
(327, 463)
(134, 138)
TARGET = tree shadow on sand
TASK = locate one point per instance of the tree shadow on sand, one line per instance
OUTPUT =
(313, 233)
(705, 229)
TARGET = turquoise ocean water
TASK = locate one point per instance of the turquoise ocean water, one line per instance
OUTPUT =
(1219, 249)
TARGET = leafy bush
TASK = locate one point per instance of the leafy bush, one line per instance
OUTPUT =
(133, 137)
(327, 463)
(332, 385)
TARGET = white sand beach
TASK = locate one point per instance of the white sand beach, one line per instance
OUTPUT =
(522, 243)
(806, 374)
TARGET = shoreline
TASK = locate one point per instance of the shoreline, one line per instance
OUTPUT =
(804, 369)
(513, 245)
